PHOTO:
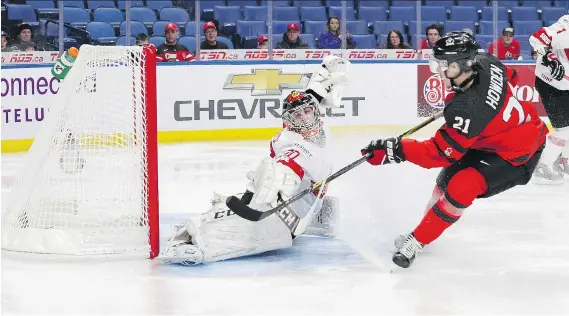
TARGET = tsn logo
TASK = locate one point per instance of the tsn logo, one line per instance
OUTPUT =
(210, 55)
(405, 54)
(319, 54)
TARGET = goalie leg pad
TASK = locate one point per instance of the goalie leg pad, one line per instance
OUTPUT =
(234, 237)
(221, 234)
(324, 223)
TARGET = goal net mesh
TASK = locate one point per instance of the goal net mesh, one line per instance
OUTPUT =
(84, 187)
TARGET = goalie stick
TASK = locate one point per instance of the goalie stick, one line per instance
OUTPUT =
(244, 211)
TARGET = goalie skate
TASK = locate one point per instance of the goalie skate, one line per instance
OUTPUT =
(543, 174)
(182, 253)
(181, 248)
(406, 254)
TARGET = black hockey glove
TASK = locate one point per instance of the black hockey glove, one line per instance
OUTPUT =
(385, 151)
(555, 67)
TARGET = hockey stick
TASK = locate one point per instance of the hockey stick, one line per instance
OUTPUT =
(244, 211)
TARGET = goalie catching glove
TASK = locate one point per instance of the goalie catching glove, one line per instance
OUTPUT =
(274, 178)
(385, 151)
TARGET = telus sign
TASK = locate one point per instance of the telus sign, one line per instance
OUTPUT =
(19, 89)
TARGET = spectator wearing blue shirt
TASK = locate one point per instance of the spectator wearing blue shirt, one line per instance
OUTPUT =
(333, 37)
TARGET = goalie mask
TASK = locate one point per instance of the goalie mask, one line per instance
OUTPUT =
(301, 112)
(455, 47)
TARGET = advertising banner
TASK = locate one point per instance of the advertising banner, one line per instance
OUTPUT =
(213, 96)
(431, 91)
(40, 57)
(310, 54)
(26, 95)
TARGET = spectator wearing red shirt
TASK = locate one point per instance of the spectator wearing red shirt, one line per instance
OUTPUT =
(263, 42)
(171, 50)
(210, 41)
(508, 47)
(433, 33)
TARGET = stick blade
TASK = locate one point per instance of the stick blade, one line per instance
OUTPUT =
(242, 210)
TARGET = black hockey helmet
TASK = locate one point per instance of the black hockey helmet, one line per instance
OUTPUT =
(301, 111)
(456, 46)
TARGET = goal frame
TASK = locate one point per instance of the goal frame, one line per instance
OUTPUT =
(152, 150)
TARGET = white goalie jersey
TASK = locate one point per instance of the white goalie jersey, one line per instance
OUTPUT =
(552, 39)
(313, 160)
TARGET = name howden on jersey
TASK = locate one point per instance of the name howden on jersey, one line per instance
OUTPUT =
(231, 109)
(496, 87)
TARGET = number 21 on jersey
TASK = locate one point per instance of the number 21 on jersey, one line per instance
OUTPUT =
(462, 124)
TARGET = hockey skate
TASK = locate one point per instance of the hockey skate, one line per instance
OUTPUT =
(543, 174)
(182, 248)
(400, 240)
(561, 165)
(409, 249)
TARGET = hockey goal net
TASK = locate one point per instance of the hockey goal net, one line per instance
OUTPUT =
(89, 183)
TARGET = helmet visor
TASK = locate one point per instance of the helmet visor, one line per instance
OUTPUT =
(305, 116)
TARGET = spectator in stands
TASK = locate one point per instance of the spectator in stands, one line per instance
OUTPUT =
(263, 42)
(24, 42)
(433, 33)
(291, 38)
(508, 47)
(142, 40)
(333, 37)
(171, 50)
(5, 42)
(395, 41)
(210, 41)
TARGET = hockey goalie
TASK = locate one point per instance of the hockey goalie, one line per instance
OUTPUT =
(298, 158)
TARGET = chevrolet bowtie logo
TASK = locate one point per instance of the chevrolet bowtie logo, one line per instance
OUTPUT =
(266, 81)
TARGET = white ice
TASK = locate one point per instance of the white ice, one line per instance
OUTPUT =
(507, 255)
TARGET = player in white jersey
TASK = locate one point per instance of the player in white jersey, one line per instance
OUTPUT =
(298, 158)
(552, 83)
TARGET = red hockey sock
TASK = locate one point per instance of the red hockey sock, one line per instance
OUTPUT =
(462, 189)
(434, 224)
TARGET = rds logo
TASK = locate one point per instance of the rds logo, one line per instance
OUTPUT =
(434, 91)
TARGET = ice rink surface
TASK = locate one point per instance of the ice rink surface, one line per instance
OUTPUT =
(507, 255)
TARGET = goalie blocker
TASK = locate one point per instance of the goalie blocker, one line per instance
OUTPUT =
(298, 158)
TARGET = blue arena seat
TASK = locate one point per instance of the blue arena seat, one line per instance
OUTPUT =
(367, 41)
(251, 13)
(463, 13)
(113, 16)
